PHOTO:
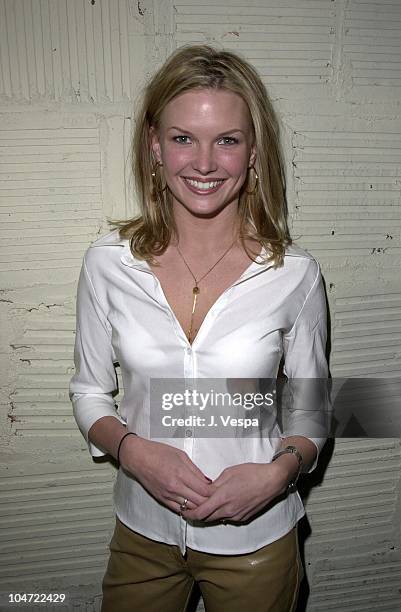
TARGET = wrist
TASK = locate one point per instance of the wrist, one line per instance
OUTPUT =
(305, 446)
(288, 465)
(123, 445)
(291, 462)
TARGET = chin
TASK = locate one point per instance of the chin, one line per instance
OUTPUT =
(205, 212)
(204, 209)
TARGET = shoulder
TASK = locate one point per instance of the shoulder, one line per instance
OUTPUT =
(103, 251)
(302, 268)
(293, 250)
(297, 257)
(111, 239)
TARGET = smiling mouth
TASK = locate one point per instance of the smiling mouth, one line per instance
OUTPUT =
(204, 186)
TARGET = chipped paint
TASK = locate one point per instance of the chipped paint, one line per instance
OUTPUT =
(332, 68)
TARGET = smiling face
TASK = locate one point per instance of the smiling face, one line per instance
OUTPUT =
(204, 143)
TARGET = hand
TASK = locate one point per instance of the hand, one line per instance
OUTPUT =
(166, 472)
(241, 491)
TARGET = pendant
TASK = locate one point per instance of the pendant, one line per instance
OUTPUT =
(195, 293)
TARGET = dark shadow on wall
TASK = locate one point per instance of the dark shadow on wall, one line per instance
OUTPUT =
(314, 479)
(305, 486)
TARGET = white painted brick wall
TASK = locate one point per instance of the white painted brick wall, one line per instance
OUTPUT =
(70, 71)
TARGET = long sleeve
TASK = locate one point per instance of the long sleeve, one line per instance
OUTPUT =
(306, 402)
(94, 382)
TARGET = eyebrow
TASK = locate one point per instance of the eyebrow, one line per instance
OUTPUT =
(179, 129)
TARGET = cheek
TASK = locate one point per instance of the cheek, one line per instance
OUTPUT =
(235, 164)
(174, 159)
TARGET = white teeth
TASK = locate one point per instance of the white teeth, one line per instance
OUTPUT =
(204, 186)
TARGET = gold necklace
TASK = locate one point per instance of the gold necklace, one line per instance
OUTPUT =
(195, 288)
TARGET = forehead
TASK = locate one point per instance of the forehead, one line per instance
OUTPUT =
(207, 107)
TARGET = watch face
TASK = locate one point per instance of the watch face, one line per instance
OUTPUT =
(294, 451)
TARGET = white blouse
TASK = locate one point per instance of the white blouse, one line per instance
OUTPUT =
(123, 316)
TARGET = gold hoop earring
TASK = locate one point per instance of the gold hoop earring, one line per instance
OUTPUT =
(255, 185)
(157, 179)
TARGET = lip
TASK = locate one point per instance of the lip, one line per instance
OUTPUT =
(202, 180)
(202, 191)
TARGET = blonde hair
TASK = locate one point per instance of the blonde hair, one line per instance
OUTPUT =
(263, 214)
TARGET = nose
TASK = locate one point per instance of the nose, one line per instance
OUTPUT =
(204, 160)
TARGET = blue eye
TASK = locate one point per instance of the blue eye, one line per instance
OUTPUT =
(181, 139)
(229, 140)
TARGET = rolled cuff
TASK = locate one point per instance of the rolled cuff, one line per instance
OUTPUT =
(319, 443)
(89, 408)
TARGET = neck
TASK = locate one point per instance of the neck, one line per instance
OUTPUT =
(200, 234)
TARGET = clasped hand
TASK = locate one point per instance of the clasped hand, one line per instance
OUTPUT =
(170, 476)
(240, 492)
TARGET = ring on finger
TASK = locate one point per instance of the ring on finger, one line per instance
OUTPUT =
(184, 505)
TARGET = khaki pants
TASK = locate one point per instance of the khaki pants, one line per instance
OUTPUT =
(148, 576)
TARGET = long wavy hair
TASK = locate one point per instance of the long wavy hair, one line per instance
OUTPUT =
(263, 212)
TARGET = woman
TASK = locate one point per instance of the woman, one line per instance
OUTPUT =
(204, 284)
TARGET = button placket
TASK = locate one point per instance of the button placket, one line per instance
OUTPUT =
(189, 375)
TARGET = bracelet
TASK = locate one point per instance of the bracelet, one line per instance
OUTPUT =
(129, 433)
(294, 451)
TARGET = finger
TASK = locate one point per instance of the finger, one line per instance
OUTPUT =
(177, 507)
(195, 470)
(186, 504)
(215, 516)
(218, 515)
(204, 510)
(200, 488)
(247, 513)
(250, 513)
(180, 504)
(222, 478)
(190, 495)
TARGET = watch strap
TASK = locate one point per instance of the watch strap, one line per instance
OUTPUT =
(293, 451)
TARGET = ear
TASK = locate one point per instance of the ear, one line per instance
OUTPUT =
(155, 144)
(252, 157)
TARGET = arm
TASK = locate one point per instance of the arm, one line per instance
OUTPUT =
(166, 472)
(306, 406)
(289, 462)
(245, 489)
(305, 417)
(107, 433)
(95, 381)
